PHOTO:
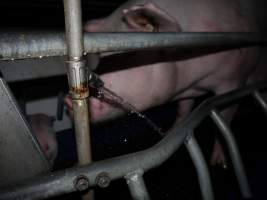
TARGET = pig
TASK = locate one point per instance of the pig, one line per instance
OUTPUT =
(153, 84)
(42, 127)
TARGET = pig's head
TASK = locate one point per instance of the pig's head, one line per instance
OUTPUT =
(133, 16)
(42, 126)
(136, 16)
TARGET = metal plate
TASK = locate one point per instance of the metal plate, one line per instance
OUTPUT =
(21, 70)
(20, 154)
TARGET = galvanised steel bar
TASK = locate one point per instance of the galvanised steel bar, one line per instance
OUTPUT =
(260, 100)
(201, 167)
(233, 152)
(62, 182)
(20, 45)
(79, 90)
(137, 185)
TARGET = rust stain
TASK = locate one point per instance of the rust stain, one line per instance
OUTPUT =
(83, 90)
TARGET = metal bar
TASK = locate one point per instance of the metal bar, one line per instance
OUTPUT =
(16, 132)
(61, 182)
(260, 100)
(73, 26)
(78, 83)
(137, 186)
(201, 167)
(20, 45)
(20, 70)
(234, 153)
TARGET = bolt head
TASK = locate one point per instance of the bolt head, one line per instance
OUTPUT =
(103, 180)
(81, 183)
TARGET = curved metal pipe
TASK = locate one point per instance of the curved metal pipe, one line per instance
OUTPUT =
(61, 182)
(234, 153)
(201, 167)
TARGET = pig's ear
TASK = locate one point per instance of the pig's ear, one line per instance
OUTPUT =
(149, 17)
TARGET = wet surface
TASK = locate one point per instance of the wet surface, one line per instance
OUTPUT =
(109, 96)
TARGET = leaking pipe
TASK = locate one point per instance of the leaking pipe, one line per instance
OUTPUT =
(62, 182)
(79, 90)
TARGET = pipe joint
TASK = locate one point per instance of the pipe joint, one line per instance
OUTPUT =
(78, 79)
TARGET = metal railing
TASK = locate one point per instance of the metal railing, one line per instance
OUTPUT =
(132, 166)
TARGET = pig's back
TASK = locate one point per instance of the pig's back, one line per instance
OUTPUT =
(211, 15)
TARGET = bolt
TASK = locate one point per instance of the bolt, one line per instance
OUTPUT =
(103, 180)
(81, 182)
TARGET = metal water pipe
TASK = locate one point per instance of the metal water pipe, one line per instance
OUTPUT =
(78, 86)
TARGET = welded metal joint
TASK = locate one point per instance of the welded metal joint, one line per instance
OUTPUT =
(136, 185)
(190, 134)
(77, 77)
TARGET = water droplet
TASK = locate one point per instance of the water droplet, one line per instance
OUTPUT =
(106, 94)
(99, 94)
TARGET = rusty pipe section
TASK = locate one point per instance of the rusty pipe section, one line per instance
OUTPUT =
(21, 45)
(77, 77)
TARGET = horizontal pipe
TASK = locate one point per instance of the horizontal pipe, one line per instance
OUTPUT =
(22, 45)
(61, 182)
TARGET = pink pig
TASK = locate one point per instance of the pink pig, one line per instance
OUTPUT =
(149, 85)
(42, 127)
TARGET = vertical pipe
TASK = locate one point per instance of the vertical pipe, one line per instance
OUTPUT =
(77, 77)
(260, 101)
(137, 186)
(234, 153)
(201, 167)
(73, 26)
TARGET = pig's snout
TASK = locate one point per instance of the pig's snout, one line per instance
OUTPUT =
(42, 126)
(99, 110)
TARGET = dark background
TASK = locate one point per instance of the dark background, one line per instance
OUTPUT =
(48, 13)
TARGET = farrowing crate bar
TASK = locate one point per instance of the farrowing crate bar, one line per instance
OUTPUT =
(131, 167)
(97, 173)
